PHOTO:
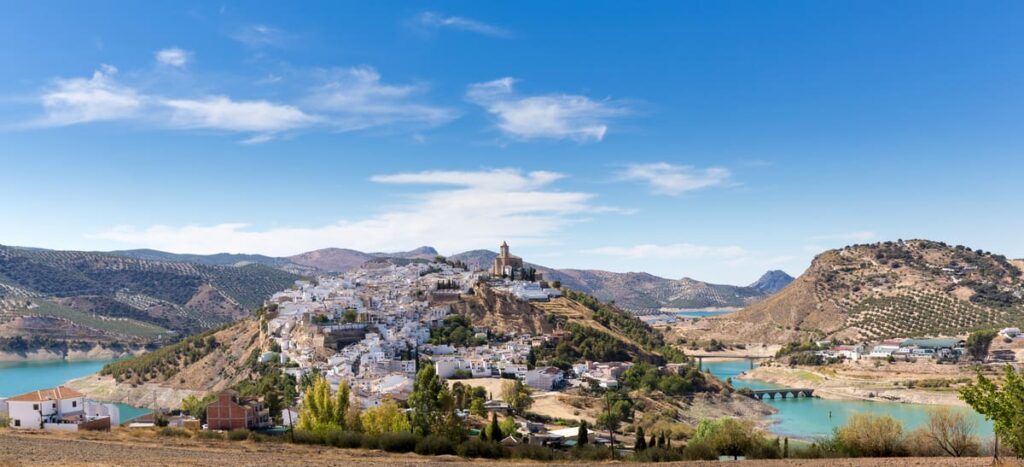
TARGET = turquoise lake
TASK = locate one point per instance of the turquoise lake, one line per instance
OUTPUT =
(813, 417)
(700, 314)
(21, 377)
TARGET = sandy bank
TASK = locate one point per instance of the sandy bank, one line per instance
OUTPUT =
(95, 353)
(149, 395)
(836, 385)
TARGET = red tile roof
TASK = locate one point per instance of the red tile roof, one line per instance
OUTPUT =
(57, 393)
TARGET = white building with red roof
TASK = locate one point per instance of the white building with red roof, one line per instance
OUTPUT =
(59, 408)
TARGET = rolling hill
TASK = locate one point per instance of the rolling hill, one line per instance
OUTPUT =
(106, 297)
(882, 290)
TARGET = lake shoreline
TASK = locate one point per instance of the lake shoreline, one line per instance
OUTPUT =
(49, 355)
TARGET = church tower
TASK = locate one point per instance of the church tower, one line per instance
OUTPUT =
(504, 250)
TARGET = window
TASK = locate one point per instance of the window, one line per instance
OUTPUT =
(35, 406)
(74, 403)
(17, 423)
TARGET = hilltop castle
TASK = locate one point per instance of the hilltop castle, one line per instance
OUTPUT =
(511, 266)
(506, 264)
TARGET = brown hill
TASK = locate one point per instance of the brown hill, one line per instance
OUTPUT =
(889, 289)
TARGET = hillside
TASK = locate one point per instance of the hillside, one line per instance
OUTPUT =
(104, 297)
(890, 289)
(594, 330)
(198, 365)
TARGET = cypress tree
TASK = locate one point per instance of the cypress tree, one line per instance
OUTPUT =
(640, 444)
(582, 436)
(495, 428)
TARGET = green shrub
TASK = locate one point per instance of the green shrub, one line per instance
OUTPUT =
(398, 442)
(434, 445)
(238, 434)
(590, 452)
(348, 440)
(173, 432)
(534, 452)
(307, 437)
(210, 435)
(659, 455)
(370, 441)
(474, 448)
(699, 450)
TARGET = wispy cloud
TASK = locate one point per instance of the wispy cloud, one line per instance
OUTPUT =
(260, 35)
(82, 100)
(468, 210)
(357, 99)
(436, 20)
(222, 113)
(670, 179)
(172, 56)
(553, 116)
(670, 251)
(347, 100)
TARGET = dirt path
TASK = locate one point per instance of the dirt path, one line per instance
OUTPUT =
(35, 448)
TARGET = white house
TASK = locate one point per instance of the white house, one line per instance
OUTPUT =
(1011, 333)
(544, 378)
(59, 408)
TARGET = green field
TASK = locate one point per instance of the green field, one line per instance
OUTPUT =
(126, 326)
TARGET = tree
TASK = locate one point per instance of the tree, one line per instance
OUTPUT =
(978, 343)
(447, 423)
(872, 435)
(1003, 404)
(952, 432)
(508, 427)
(477, 407)
(494, 431)
(640, 444)
(349, 315)
(517, 395)
(319, 410)
(385, 418)
(196, 407)
(582, 436)
(424, 400)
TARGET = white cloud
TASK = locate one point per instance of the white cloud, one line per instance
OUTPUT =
(357, 99)
(470, 210)
(260, 35)
(437, 20)
(82, 100)
(222, 113)
(172, 57)
(670, 251)
(553, 116)
(858, 236)
(672, 179)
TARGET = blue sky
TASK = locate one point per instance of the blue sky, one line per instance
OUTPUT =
(713, 140)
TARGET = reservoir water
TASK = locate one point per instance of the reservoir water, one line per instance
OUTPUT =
(21, 377)
(814, 417)
(700, 314)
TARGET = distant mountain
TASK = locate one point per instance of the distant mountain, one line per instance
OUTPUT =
(883, 290)
(220, 259)
(633, 290)
(423, 252)
(643, 291)
(771, 282)
(331, 259)
(107, 297)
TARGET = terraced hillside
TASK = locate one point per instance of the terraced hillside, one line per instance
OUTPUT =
(111, 297)
(890, 289)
